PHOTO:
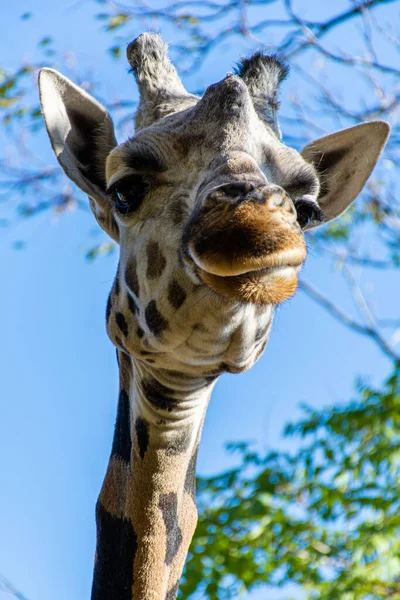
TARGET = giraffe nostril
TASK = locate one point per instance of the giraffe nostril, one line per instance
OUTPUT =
(236, 189)
(308, 212)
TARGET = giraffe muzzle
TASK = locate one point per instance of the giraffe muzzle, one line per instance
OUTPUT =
(241, 227)
(245, 242)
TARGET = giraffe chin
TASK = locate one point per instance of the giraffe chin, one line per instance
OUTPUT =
(264, 286)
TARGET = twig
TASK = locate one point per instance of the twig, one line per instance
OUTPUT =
(348, 320)
(9, 588)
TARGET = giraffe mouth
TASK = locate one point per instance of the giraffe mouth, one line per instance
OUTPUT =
(266, 278)
(268, 285)
(246, 252)
(271, 279)
(225, 265)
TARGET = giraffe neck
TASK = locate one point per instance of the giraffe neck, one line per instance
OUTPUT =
(146, 512)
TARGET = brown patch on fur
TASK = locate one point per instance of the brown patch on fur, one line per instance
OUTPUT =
(117, 341)
(187, 524)
(125, 370)
(154, 319)
(172, 592)
(176, 294)
(180, 442)
(156, 262)
(151, 573)
(131, 277)
(113, 492)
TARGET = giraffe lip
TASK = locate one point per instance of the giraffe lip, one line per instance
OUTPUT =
(269, 285)
(222, 266)
(261, 276)
(266, 272)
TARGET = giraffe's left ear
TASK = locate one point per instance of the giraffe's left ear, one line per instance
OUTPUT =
(344, 160)
(82, 135)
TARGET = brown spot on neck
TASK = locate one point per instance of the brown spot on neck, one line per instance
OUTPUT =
(155, 261)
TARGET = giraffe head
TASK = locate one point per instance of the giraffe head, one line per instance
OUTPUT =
(209, 206)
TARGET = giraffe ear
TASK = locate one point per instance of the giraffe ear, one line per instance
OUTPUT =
(82, 135)
(344, 160)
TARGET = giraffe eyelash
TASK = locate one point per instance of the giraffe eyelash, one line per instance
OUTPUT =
(128, 193)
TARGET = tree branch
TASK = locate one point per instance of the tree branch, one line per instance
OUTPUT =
(348, 320)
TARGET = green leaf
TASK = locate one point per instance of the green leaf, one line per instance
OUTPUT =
(115, 51)
(45, 41)
(117, 21)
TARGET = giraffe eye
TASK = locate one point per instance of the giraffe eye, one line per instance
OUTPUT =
(122, 201)
(128, 193)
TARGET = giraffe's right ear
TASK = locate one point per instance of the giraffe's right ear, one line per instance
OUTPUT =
(82, 135)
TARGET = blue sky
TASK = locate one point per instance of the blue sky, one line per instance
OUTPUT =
(59, 377)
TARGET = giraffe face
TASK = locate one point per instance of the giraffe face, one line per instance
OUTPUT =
(213, 199)
(205, 216)
(207, 203)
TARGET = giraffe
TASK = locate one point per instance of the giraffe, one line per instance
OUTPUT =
(209, 208)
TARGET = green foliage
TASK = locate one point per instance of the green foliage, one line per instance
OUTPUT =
(115, 51)
(326, 517)
(116, 21)
(100, 250)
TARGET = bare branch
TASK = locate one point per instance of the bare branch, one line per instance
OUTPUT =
(9, 588)
(348, 320)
